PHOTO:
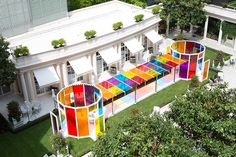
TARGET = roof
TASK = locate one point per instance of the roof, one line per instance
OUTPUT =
(99, 17)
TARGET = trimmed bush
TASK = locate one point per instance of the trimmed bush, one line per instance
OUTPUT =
(21, 51)
(219, 59)
(14, 111)
(58, 43)
(58, 143)
(138, 17)
(90, 34)
(117, 25)
(194, 82)
(156, 10)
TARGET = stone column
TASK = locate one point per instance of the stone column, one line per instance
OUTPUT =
(157, 28)
(24, 88)
(206, 27)
(65, 74)
(119, 53)
(94, 64)
(58, 69)
(30, 85)
(191, 29)
(167, 25)
(220, 33)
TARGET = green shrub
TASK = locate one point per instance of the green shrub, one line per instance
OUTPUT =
(194, 82)
(117, 25)
(14, 111)
(219, 59)
(90, 34)
(58, 43)
(21, 51)
(156, 10)
(58, 143)
(180, 37)
(138, 17)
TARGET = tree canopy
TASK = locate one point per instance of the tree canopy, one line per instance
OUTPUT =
(183, 12)
(200, 123)
(229, 30)
(209, 118)
(7, 67)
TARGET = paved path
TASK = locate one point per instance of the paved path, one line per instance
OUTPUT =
(230, 75)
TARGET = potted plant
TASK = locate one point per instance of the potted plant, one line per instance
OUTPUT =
(55, 44)
(113, 70)
(90, 34)
(117, 25)
(14, 111)
(132, 59)
(21, 51)
(58, 43)
(138, 17)
(156, 10)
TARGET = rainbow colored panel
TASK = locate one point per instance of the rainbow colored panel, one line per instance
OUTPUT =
(106, 84)
(156, 68)
(115, 90)
(106, 94)
(160, 64)
(141, 74)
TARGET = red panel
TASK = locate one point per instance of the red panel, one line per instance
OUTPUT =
(193, 66)
(142, 68)
(79, 95)
(138, 79)
(173, 64)
(106, 84)
(189, 47)
(71, 123)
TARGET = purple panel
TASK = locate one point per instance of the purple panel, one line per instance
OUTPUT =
(131, 83)
(183, 70)
(89, 95)
(113, 81)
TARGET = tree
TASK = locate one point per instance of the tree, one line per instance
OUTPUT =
(58, 143)
(142, 135)
(185, 12)
(7, 67)
(14, 111)
(194, 82)
(209, 118)
(229, 30)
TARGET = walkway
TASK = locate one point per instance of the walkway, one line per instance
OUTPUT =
(230, 75)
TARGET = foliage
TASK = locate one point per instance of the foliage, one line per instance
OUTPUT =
(156, 10)
(184, 12)
(58, 43)
(142, 135)
(117, 25)
(58, 143)
(194, 82)
(21, 51)
(90, 34)
(14, 111)
(208, 117)
(138, 17)
(229, 30)
(7, 67)
(219, 59)
(180, 37)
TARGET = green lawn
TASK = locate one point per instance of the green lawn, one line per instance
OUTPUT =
(34, 141)
(211, 54)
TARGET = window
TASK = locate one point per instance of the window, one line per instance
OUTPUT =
(72, 77)
(4, 90)
(125, 53)
(144, 42)
(40, 90)
(101, 64)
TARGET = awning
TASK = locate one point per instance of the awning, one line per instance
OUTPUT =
(127, 66)
(110, 55)
(46, 76)
(104, 76)
(134, 46)
(153, 36)
(81, 66)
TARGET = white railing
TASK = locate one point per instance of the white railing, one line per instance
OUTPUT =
(85, 46)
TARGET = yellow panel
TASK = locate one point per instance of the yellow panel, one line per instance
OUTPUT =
(141, 74)
(115, 90)
(106, 94)
(82, 121)
(168, 50)
(61, 97)
(98, 132)
(129, 74)
(163, 60)
(67, 100)
(174, 46)
(152, 72)
(92, 108)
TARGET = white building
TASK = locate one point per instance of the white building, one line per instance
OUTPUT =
(82, 60)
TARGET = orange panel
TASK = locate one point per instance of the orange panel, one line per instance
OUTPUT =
(206, 69)
(61, 97)
(141, 74)
(82, 120)
(181, 46)
(67, 100)
(107, 95)
(68, 90)
(174, 59)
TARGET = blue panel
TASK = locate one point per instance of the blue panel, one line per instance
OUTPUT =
(123, 87)
(176, 55)
(121, 77)
(200, 64)
(156, 68)
(100, 110)
(160, 64)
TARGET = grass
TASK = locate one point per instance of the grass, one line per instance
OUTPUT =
(35, 141)
(211, 54)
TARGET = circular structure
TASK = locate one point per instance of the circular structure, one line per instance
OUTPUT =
(81, 111)
(192, 52)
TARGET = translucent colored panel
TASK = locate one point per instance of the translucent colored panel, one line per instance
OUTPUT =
(105, 93)
(89, 95)
(200, 62)
(170, 63)
(141, 74)
(67, 100)
(192, 66)
(162, 59)
(128, 74)
(71, 123)
(106, 84)
(98, 130)
(183, 70)
(185, 57)
(92, 108)
(68, 90)
(158, 69)
(175, 54)
(100, 108)
(79, 95)
(200, 55)
(152, 73)
(113, 81)
(173, 59)
(160, 64)
(123, 87)
(121, 77)
(168, 50)
(61, 97)
(115, 90)
(180, 46)
(138, 79)
(174, 45)
(189, 47)
(82, 120)
(131, 83)
(206, 69)
(142, 68)
(101, 120)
